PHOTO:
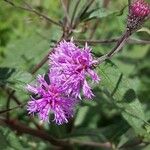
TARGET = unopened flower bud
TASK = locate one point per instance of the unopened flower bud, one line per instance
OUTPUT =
(138, 12)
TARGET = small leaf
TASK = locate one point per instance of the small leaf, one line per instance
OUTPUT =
(147, 127)
(3, 141)
(101, 13)
(144, 29)
(82, 112)
(20, 79)
(5, 74)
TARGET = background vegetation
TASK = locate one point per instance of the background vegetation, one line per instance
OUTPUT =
(117, 118)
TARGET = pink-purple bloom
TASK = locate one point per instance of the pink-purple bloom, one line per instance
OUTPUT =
(140, 8)
(70, 66)
(138, 11)
(50, 98)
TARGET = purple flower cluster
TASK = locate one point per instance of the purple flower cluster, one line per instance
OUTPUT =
(50, 99)
(70, 66)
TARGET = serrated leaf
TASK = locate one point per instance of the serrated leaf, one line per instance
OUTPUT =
(25, 53)
(20, 79)
(134, 115)
(101, 13)
(5, 74)
(117, 88)
(16, 79)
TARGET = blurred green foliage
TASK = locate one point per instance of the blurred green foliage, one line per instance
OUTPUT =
(120, 110)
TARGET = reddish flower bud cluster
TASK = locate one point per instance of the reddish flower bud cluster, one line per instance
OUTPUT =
(140, 8)
(138, 11)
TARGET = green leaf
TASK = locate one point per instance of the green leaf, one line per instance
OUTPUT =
(101, 13)
(121, 92)
(16, 79)
(82, 112)
(147, 128)
(144, 29)
(5, 74)
(3, 141)
(25, 53)
(106, 133)
(134, 115)
(20, 79)
(127, 136)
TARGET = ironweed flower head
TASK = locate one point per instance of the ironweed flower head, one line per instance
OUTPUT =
(70, 66)
(140, 8)
(48, 98)
(138, 11)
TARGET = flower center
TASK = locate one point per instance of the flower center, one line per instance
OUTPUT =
(83, 63)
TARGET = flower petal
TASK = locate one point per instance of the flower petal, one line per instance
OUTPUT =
(87, 90)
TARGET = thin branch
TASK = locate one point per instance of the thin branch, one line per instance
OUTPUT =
(65, 12)
(119, 45)
(129, 2)
(8, 91)
(8, 103)
(105, 3)
(82, 11)
(30, 9)
(117, 85)
(93, 29)
(43, 61)
(106, 145)
(97, 21)
(10, 109)
(68, 2)
(74, 11)
(23, 128)
(20, 105)
(28, 5)
(132, 143)
(108, 41)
